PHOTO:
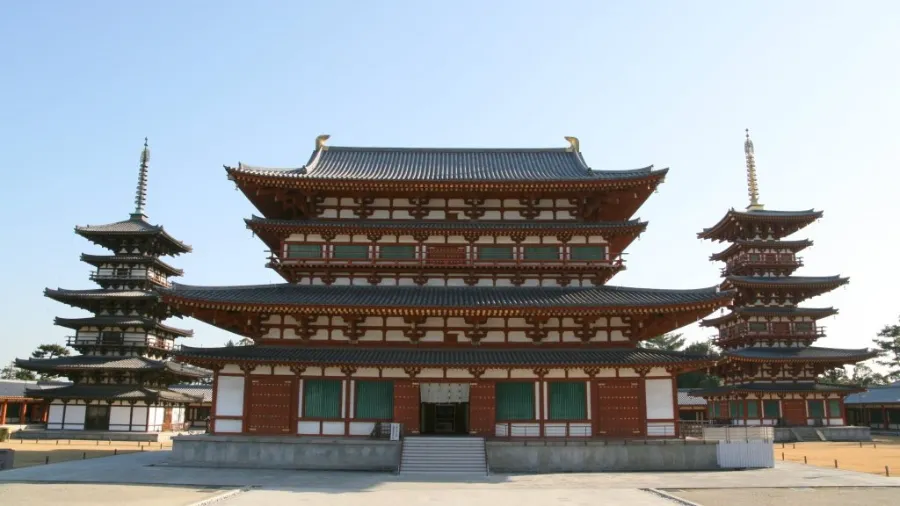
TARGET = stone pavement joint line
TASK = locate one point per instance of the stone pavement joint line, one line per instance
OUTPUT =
(660, 493)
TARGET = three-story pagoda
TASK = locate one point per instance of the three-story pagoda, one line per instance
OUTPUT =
(120, 379)
(769, 366)
(455, 291)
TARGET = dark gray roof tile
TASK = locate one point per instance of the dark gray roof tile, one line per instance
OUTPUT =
(119, 321)
(773, 387)
(460, 357)
(445, 297)
(446, 164)
(447, 225)
(109, 363)
(886, 394)
(105, 235)
(113, 392)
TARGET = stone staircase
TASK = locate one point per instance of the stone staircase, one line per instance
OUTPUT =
(808, 434)
(443, 455)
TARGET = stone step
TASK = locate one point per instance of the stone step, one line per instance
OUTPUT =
(443, 455)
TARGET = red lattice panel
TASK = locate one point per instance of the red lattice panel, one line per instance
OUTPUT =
(271, 406)
(617, 406)
(482, 409)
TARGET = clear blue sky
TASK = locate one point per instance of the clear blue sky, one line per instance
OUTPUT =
(666, 83)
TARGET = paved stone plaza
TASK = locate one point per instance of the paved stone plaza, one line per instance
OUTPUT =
(111, 480)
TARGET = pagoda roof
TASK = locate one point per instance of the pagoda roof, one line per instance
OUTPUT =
(686, 399)
(110, 234)
(736, 246)
(440, 357)
(203, 392)
(98, 260)
(83, 363)
(785, 223)
(120, 321)
(443, 300)
(114, 392)
(806, 354)
(804, 387)
(85, 299)
(446, 165)
(814, 312)
(829, 282)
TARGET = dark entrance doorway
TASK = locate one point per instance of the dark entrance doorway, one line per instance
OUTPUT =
(96, 417)
(445, 418)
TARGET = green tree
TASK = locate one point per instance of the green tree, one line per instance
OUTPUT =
(666, 342)
(50, 351)
(12, 372)
(701, 378)
(862, 375)
(888, 345)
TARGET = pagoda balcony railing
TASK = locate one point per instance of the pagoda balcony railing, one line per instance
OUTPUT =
(762, 260)
(99, 342)
(609, 262)
(159, 280)
(771, 330)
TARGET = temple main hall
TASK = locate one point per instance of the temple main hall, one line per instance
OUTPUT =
(445, 291)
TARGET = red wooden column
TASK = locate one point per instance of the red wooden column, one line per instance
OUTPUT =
(3, 412)
(23, 411)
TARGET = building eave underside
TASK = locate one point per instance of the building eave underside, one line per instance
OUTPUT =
(108, 239)
(90, 363)
(795, 246)
(775, 388)
(746, 312)
(121, 322)
(98, 260)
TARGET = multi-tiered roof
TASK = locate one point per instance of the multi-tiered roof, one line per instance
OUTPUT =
(445, 207)
(124, 346)
(767, 337)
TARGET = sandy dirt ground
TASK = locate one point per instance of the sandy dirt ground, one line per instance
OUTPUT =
(825, 496)
(51, 494)
(35, 453)
(870, 457)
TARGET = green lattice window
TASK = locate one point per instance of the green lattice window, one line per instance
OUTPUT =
(515, 401)
(736, 409)
(374, 400)
(752, 409)
(587, 253)
(771, 409)
(715, 410)
(758, 326)
(815, 409)
(495, 253)
(321, 398)
(350, 251)
(397, 252)
(834, 408)
(803, 327)
(567, 400)
(304, 251)
(540, 253)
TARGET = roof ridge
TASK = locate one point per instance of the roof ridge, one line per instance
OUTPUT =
(522, 289)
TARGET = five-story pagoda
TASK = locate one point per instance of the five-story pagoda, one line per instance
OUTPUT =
(769, 366)
(455, 291)
(120, 380)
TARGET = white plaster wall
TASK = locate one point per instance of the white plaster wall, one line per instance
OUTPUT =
(139, 419)
(55, 416)
(156, 418)
(119, 418)
(227, 425)
(660, 404)
(75, 417)
(230, 396)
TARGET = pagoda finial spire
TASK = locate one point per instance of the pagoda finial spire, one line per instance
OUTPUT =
(752, 185)
(140, 196)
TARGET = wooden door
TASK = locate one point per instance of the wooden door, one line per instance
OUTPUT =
(167, 419)
(617, 407)
(272, 406)
(445, 255)
(482, 409)
(96, 417)
(406, 406)
(794, 411)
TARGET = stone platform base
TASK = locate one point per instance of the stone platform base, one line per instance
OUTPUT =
(798, 434)
(93, 435)
(594, 456)
(261, 452)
